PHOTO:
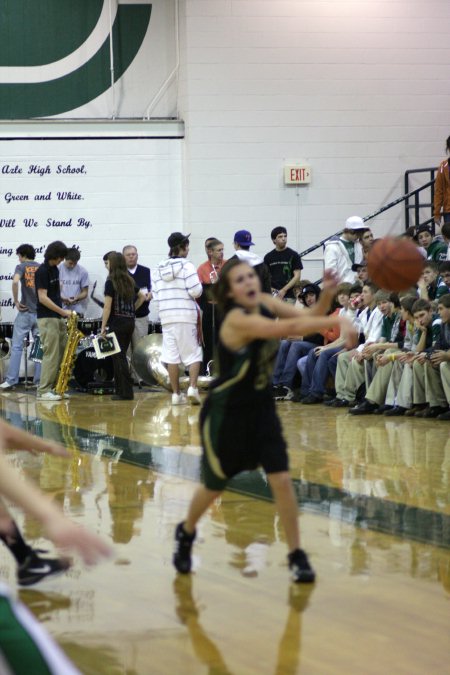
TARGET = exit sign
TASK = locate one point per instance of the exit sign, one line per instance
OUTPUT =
(297, 175)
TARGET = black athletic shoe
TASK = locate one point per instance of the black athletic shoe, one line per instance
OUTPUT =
(183, 546)
(396, 411)
(301, 570)
(432, 411)
(35, 568)
(364, 408)
(383, 409)
(341, 403)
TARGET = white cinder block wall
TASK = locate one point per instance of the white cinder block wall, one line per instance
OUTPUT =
(358, 89)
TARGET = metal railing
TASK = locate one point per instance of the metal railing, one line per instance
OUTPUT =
(411, 195)
(417, 204)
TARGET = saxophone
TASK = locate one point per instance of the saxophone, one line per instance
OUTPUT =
(68, 361)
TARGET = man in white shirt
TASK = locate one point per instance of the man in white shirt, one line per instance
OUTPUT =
(175, 285)
(350, 364)
(345, 251)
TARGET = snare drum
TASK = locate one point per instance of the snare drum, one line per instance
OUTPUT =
(6, 330)
(36, 352)
(89, 369)
(89, 326)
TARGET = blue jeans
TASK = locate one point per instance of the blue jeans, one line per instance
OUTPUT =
(317, 370)
(286, 364)
(24, 323)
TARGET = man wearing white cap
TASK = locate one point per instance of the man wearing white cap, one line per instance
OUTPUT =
(342, 253)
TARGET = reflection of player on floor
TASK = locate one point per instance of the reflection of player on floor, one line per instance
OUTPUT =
(207, 652)
(240, 428)
(25, 647)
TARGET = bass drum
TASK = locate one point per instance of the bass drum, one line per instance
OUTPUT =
(6, 333)
(90, 370)
(6, 330)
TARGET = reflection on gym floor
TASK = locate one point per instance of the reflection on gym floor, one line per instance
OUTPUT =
(375, 519)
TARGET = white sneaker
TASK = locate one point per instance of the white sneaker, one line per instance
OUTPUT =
(179, 399)
(6, 386)
(48, 396)
(193, 396)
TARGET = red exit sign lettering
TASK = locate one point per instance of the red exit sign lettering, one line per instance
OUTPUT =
(297, 175)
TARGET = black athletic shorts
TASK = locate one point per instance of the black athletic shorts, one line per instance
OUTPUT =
(240, 439)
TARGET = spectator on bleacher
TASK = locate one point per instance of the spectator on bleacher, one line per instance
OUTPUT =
(342, 252)
(442, 190)
(435, 248)
(431, 375)
(431, 284)
(284, 265)
(291, 349)
(391, 339)
(410, 234)
(350, 364)
(444, 273)
(366, 238)
(362, 274)
(381, 392)
(315, 374)
(427, 331)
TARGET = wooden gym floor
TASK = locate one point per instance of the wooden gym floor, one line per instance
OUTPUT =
(375, 519)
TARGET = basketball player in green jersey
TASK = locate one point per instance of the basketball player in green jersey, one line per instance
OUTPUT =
(239, 425)
(25, 647)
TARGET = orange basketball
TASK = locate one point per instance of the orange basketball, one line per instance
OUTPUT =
(394, 264)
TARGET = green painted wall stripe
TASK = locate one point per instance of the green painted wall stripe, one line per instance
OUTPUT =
(37, 32)
(44, 99)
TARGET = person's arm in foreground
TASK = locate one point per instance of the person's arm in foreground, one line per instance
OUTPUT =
(63, 532)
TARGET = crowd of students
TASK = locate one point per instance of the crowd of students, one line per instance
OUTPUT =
(401, 363)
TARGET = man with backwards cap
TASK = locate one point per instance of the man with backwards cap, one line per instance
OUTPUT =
(242, 242)
(345, 251)
(284, 265)
(175, 285)
(362, 273)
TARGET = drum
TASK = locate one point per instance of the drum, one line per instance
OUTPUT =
(89, 370)
(6, 330)
(151, 370)
(154, 327)
(5, 348)
(89, 326)
(36, 352)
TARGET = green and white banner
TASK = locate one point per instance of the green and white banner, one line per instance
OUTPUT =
(86, 59)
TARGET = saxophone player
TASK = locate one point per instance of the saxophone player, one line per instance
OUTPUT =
(50, 315)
